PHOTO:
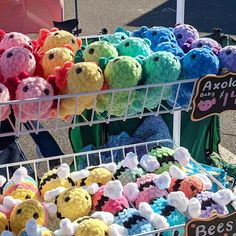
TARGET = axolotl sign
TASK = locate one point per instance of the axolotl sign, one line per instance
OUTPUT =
(213, 95)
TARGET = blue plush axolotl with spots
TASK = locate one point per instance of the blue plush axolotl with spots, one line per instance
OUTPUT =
(195, 64)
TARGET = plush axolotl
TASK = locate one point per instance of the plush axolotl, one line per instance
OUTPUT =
(227, 58)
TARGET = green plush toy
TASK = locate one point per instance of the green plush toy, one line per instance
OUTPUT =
(121, 72)
(160, 67)
(94, 51)
(134, 47)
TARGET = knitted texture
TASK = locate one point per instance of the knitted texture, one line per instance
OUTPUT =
(227, 58)
(4, 97)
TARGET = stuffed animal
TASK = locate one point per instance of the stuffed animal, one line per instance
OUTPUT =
(4, 97)
(134, 47)
(74, 79)
(33, 87)
(129, 169)
(94, 51)
(57, 177)
(16, 60)
(227, 57)
(55, 38)
(147, 188)
(4, 224)
(21, 186)
(183, 32)
(121, 72)
(55, 57)
(206, 202)
(109, 198)
(33, 229)
(195, 64)
(160, 67)
(156, 34)
(72, 203)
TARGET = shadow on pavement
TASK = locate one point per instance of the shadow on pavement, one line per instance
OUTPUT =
(202, 14)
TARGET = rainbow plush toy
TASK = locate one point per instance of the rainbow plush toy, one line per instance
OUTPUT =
(4, 97)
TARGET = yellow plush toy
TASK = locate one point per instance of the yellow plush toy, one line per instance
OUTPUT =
(4, 225)
(74, 79)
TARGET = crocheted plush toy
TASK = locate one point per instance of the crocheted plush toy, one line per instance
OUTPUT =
(183, 32)
(4, 224)
(55, 38)
(129, 169)
(156, 34)
(121, 72)
(172, 208)
(21, 186)
(147, 188)
(195, 64)
(4, 97)
(109, 198)
(16, 60)
(227, 58)
(33, 229)
(74, 79)
(134, 47)
(99, 224)
(160, 67)
(72, 203)
(94, 51)
(58, 177)
(206, 202)
(55, 57)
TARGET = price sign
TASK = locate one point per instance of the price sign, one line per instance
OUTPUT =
(214, 94)
(217, 226)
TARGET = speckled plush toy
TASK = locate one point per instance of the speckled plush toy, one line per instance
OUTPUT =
(195, 64)
(33, 87)
(183, 32)
(72, 203)
(121, 72)
(129, 169)
(21, 186)
(74, 79)
(172, 208)
(206, 202)
(167, 157)
(227, 58)
(4, 97)
(16, 60)
(55, 57)
(54, 38)
(109, 198)
(58, 177)
(147, 188)
(160, 67)
(156, 34)
(134, 47)
(94, 51)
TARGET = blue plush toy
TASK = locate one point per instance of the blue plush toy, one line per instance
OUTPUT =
(195, 64)
(156, 34)
(134, 47)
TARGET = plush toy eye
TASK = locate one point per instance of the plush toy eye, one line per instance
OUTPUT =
(193, 188)
(212, 53)
(123, 37)
(25, 89)
(117, 59)
(199, 45)
(30, 56)
(9, 55)
(78, 70)
(46, 91)
(99, 71)
(50, 56)
(193, 56)
(11, 36)
(56, 34)
(67, 199)
(71, 54)
(127, 44)
(72, 40)
(91, 50)
(18, 211)
(137, 65)
(27, 197)
(86, 197)
(156, 58)
(154, 33)
(179, 36)
(35, 216)
(228, 52)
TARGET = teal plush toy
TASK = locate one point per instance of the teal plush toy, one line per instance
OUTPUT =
(134, 47)
(121, 72)
(94, 51)
(160, 67)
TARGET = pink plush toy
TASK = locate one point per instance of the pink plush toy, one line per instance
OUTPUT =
(16, 60)
(4, 97)
(33, 87)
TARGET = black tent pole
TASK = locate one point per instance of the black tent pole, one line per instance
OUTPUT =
(76, 14)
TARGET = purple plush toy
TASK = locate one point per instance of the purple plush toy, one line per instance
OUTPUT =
(227, 58)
